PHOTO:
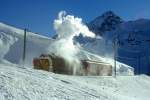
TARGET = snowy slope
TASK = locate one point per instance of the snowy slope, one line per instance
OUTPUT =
(27, 84)
(11, 44)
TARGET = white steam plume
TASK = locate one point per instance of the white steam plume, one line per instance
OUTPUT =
(68, 26)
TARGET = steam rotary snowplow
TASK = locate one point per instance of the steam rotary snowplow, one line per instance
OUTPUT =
(43, 62)
(57, 64)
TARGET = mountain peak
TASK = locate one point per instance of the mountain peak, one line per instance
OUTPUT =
(108, 13)
(106, 22)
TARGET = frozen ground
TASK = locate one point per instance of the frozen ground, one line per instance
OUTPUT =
(28, 84)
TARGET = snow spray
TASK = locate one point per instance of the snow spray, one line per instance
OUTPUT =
(67, 27)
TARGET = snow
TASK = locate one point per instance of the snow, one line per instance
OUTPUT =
(18, 83)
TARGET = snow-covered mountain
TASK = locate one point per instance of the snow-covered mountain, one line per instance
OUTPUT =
(131, 40)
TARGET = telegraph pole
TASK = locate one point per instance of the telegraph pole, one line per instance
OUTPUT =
(115, 73)
(24, 46)
(139, 63)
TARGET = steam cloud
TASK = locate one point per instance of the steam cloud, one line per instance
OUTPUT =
(67, 27)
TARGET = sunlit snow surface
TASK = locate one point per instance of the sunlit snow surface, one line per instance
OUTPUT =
(28, 84)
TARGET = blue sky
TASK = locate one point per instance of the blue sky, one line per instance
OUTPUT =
(38, 15)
